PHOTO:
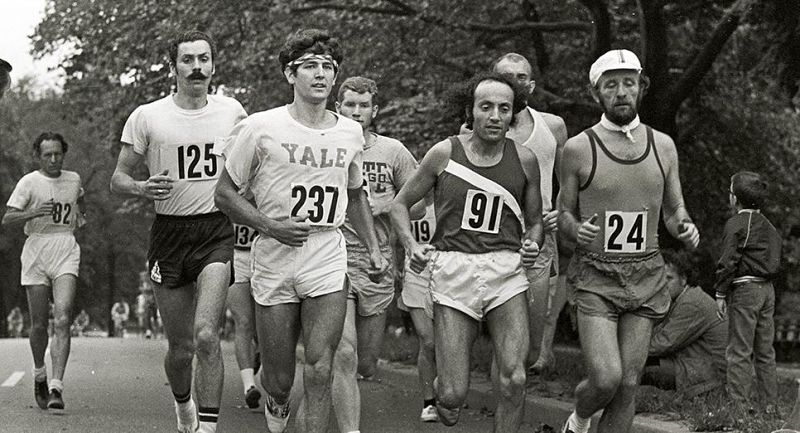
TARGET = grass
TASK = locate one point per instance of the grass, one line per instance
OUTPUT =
(710, 412)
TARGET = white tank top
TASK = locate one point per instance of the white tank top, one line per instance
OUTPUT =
(543, 144)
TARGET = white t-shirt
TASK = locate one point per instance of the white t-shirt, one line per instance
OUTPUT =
(182, 141)
(35, 189)
(292, 169)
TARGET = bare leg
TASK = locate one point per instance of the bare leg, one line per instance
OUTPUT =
(546, 357)
(212, 289)
(603, 365)
(507, 326)
(537, 310)
(323, 320)
(454, 333)
(347, 404)
(39, 308)
(242, 307)
(426, 360)
(63, 297)
(278, 328)
(178, 316)
(634, 340)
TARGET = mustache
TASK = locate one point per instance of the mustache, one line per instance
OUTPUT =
(197, 75)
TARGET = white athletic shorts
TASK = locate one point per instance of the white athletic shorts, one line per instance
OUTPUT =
(371, 298)
(476, 283)
(286, 275)
(242, 267)
(416, 290)
(47, 257)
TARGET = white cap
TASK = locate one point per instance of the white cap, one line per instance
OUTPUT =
(613, 60)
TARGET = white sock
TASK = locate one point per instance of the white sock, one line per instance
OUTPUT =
(56, 384)
(187, 408)
(40, 374)
(207, 427)
(581, 425)
(208, 419)
(248, 378)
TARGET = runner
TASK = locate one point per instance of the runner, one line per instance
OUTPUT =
(241, 305)
(49, 201)
(191, 242)
(303, 165)
(387, 165)
(15, 323)
(545, 134)
(120, 312)
(416, 299)
(616, 179)
(487, 200)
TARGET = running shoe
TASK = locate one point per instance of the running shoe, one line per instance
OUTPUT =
(277, 415)
(55, 401)
(187, 417)
(41, 393)
(429, 414)
(252, 397)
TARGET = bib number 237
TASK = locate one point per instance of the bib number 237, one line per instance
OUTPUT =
(482, 211)
(626, 232)
(317, 201)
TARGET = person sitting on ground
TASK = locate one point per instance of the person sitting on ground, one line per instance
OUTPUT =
(687, 348)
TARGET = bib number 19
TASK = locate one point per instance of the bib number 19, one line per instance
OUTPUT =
(626, 232)
(316, 201)
(482, 211)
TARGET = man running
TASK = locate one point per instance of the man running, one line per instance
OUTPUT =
(303, 165)
(191, 242)
(49, 201)
(545, 134)
(616, 179)
(386, 167)
(489, 225)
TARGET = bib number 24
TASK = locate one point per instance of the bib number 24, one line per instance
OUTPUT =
(316, 201)
(626, 232)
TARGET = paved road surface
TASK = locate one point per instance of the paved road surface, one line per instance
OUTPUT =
(118, 385)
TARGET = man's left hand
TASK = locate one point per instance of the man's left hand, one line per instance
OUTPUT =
(378, 266)
(689, 235)
(529, 252)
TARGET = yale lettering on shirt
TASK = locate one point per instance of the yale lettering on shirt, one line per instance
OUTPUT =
(377, 174)
(314, 157)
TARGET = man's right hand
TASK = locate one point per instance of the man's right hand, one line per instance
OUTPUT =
(419, 256)
(293, 231)
(587, 231)
(45, 208)
(158, 186)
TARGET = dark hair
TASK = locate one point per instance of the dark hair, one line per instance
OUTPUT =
(749, 188)
(359, 85)
(37, 144)
(309, 41)
(191, 36)
(461, 97)
(514, 58)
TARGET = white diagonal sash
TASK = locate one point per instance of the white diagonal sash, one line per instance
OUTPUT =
(488, 185)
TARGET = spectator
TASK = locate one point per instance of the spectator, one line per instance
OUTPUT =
(80, 324)
(119, 315)
(15, 322)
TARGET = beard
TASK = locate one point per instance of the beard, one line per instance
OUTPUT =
(621, 116)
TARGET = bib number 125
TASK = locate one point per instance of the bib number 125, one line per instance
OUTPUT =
(626, 232)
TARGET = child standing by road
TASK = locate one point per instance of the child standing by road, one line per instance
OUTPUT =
(750, 259)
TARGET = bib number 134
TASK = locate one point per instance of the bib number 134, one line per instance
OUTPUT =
(482, 211)
(626, 232)
(317, 201)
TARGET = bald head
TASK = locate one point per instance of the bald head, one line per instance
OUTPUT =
(517, 68)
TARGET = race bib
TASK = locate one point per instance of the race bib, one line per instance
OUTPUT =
(422, 230)
(190, 162)
(243, 236)
(63, 213)
(625, 232)
(482, 211)
(317, 201)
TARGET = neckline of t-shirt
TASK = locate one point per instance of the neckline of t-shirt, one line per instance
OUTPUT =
(51, 179)
(188, 112)
(307, 128)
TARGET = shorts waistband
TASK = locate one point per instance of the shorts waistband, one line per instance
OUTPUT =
(604, 258)
(238, 248)
(183, 218)
(749, 279)
(51, 234)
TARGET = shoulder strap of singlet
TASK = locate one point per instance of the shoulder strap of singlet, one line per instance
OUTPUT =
(652, 143)
(466, 174)
(593, 145)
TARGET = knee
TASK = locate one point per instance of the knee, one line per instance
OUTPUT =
(61, 323)
(39, 327)
(345, 359)
(207, 340)
(281, 383)
(181, 352)
(512, 382)
(607, 382)
(317, 372)
(368, 366)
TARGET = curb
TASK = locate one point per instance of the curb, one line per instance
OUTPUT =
(539, 410)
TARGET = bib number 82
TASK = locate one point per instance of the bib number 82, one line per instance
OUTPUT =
(318, 202)
(626, 232)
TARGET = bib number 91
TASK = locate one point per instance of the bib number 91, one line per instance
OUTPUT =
(482, 211)
(625, 232)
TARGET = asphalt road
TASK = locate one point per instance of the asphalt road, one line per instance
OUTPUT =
(118, 385)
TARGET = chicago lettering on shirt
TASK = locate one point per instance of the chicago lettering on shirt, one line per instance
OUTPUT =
(314, 157)
(376, 173)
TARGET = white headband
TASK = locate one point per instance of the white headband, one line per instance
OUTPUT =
(312, 56)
